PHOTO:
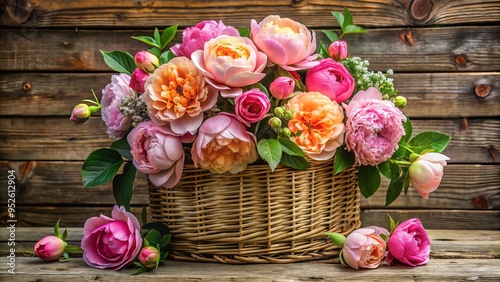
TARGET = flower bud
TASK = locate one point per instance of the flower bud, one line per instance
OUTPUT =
(279, 112)
(50, 248)
(338, 50)
(426, 173)
(274, 123)
(282, 87)
(400, 102)
(288, 114)
(81, 113)
(146, 61)
(149, 256)
(285, 132)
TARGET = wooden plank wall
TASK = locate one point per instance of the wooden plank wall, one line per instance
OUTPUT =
(445, 53)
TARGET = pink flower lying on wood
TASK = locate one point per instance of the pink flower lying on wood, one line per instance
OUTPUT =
(409, 244)
(50, 248)
(363, 248)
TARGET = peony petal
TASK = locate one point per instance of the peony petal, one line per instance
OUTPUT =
(351, 257)
(120, 213)
(95, 223)
(186, 124)
(355, 240)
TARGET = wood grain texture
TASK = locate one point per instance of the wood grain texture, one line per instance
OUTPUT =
(460, 48)
(50, 95)
(122, 13)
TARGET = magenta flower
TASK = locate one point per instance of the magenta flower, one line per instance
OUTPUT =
(426, 173)
(50, 248)
(149, 256)
(118, 125)
(282, 87)
(409, 244)
(363, 248)
(252, 106)
(138, 80)
(332, 79)
(373, 128)
(157, 152)
(111, 242)
(194, 38)
(338, 50)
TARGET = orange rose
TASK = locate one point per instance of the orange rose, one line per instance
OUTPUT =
(320, 121)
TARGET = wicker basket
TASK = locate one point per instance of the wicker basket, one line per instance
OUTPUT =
(257, 216)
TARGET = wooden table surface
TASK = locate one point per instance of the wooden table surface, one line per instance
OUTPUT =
(456, 255)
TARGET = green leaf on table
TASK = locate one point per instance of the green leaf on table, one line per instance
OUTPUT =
(289, 147)
(165, 240)
(244, 31)
(166, 57)
(347, 19)
(153, 237)
(430, 140)
(72, 249)
(123, 185)
(339, 17)
(270, 151)
(167, 35)
(296, 162)
(119, 61)
(368, 180)
(100, 167)
(343, 159)
(57, 231)
(122, 147)
(336, 238)
(332, 35)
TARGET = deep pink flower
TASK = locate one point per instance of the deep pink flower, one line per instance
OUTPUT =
(194, 38)
(50, 248)
(373, 128)
(157, 152)
(146, 61)
(112, 95)
(332, 79)
(138, 80)
(409, 244)
(111, 242)
(426, 173)
(338, 50)
(363, 248)
(252, 106)
(282, 87)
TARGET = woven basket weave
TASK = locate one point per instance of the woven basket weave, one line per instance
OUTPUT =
(258, 216)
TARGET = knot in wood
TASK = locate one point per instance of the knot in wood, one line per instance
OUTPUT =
(480, 202)
(26, 86)
(482, 90)
(16, 12)
(298, 3)
(420, 10)
(407, 37)
(460, 61)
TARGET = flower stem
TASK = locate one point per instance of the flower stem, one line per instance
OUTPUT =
(400, 162)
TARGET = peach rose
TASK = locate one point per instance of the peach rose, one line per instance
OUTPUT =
(176, 93)
(320, 120)
(363, 248)
(229, 63)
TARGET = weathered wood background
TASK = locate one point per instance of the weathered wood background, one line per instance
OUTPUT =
(445, 53)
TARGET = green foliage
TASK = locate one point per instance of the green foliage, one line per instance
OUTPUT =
(119, 61)
(123, 185)
(122, 147)
(431, 140)
(336, 238)
(100, 167)
(244, 31)
(270, 151)
(368, 180)
(343, 159)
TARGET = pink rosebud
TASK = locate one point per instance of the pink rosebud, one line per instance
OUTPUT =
(149, 257)
(50, 248)
(252, 106)
(338, 50)
(80, 114)
(363, 248)
(282, 87)
(426, 173)
(146, 61)
(138, 80)
(409, 244)
(331, 79)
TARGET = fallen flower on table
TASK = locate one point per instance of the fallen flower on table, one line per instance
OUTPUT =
(52, 248)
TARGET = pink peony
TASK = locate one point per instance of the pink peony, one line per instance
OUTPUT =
(194, 38)
(282, 87)
(230, 63)
(118, 125)
(50, 248)
(138, 80)
(338, 50)
(157, 152)
(145, 61)
(286, 42)
(409, 244)
(426, 173)
(252, 106)
(111, 242)
(223, 145)
(331, 79)
(373, 128)
(363, 248)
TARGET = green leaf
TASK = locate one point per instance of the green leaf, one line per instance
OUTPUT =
(408, 130)
(153, 237)
(156, 35)
(321, 50)
(166, 57)
(368, 180)
(270, 151)
(142, 269)
(167, 35)
(401, 151)
(353, 29)
(385, 169)
(296, 162)
(100, 167)
(123, 185)
(160, 227)
(289, 147)
(261, 87)
(165, 240)
(155, 51)
(148, 40)
(65, 234)
(122, 147)
(406, 183)
(343, 159)
(392, 224)
(57, 231)
(432, 140)
(347, 18)
(64, 258)
(244, 31)
(394, 190)
(163, 256)
(339, 17)
(119, 61)
(342, 261)
(332, 35)
(336, 238)
(73, 249)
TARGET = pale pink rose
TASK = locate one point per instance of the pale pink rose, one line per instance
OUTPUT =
(373, 128)
(282, 87)
(338, 50)
(409, 244)
(194, 38)
(111, 242)
(149, 256)
(146, 61)
(224, 145)
(230, 63)
(157, 152)
(286, 42)
(80, 114)
(332, 79)
(118, 124)
(252, 106)
(426, 173)
(363, 248)
(138, 80)
(50, 248)
(177, 94)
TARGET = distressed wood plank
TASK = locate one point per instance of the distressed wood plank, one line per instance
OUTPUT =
(460, 48)
(477, 189)
(55, 138)
(34, 14)
(49, 94)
